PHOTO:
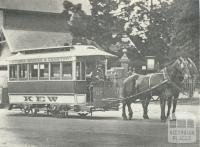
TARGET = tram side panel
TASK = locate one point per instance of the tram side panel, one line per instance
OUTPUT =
(47, 92)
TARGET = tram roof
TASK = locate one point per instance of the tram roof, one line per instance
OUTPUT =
(75, 51)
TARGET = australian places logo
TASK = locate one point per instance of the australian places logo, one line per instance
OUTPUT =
(183, 129)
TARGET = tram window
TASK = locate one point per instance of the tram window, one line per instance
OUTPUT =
(80, 70)
(33, 71)
(13, 72)
(23, 73)
(44, 70)
(55, 70)
(67, 70)
(3, 68)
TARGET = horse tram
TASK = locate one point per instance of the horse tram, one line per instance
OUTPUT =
(60, 80)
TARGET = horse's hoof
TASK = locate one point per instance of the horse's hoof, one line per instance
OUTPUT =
(130, 116)
(145, 116)
(125, 118)
(163, 120)
(167, 116)
(173, 117)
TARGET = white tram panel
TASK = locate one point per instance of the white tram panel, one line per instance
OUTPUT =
(48, 99)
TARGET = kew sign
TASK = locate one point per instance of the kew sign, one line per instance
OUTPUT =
(51, 99)
(40, 98)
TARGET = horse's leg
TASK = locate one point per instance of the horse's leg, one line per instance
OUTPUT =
(130, 110)
(145, 104)
(124, 110)
(162, 105)
(169, 103)
(174, 107)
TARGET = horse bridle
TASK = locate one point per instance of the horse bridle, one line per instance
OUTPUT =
(167, 77)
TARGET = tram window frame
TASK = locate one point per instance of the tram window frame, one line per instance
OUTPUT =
(51, 71)
(23, 71)
(69, 76)
(14, 75)
(80, 74)
(31, 77)
(78, 70)
(45, 73)
(83, 72)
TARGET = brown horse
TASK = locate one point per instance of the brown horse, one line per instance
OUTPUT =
(172, 77)
(193, 75)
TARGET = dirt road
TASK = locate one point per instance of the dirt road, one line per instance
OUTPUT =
(104, 129)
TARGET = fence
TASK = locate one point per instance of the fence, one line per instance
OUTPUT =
(192, 87)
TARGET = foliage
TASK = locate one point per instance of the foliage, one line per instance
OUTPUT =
(185, 36)
(148, 24)
(161, 28)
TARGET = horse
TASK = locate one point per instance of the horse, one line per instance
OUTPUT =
(172, 77)
(193, 74)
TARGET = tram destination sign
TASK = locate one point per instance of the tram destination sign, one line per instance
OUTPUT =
(36, 60)
(67, 99)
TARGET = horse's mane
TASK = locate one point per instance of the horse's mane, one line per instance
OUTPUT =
(174, 60)
(193, 65)
(169, 63)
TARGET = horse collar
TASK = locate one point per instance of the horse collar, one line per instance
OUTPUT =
(166, 75)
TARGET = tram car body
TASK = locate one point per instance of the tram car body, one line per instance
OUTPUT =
(60, 79)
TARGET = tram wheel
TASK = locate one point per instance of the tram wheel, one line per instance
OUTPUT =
(65, 114)
(26, 111)
(83, 114)
(34, 112)
(48, 113)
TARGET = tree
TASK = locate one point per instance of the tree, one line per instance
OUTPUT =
(145, 24)
(77, 20)
(96, 28)
(185, 36)
(105, 24)
(148, 24)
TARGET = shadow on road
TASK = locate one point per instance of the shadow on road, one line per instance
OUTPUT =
(69, 117)
(118, 118)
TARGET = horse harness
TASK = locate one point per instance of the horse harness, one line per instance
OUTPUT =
(167, 79)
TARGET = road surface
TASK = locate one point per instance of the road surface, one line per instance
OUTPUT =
(104, 129)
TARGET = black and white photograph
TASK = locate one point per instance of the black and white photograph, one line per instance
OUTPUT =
(99, 73)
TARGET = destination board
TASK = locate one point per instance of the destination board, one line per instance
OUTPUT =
(39, 99)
